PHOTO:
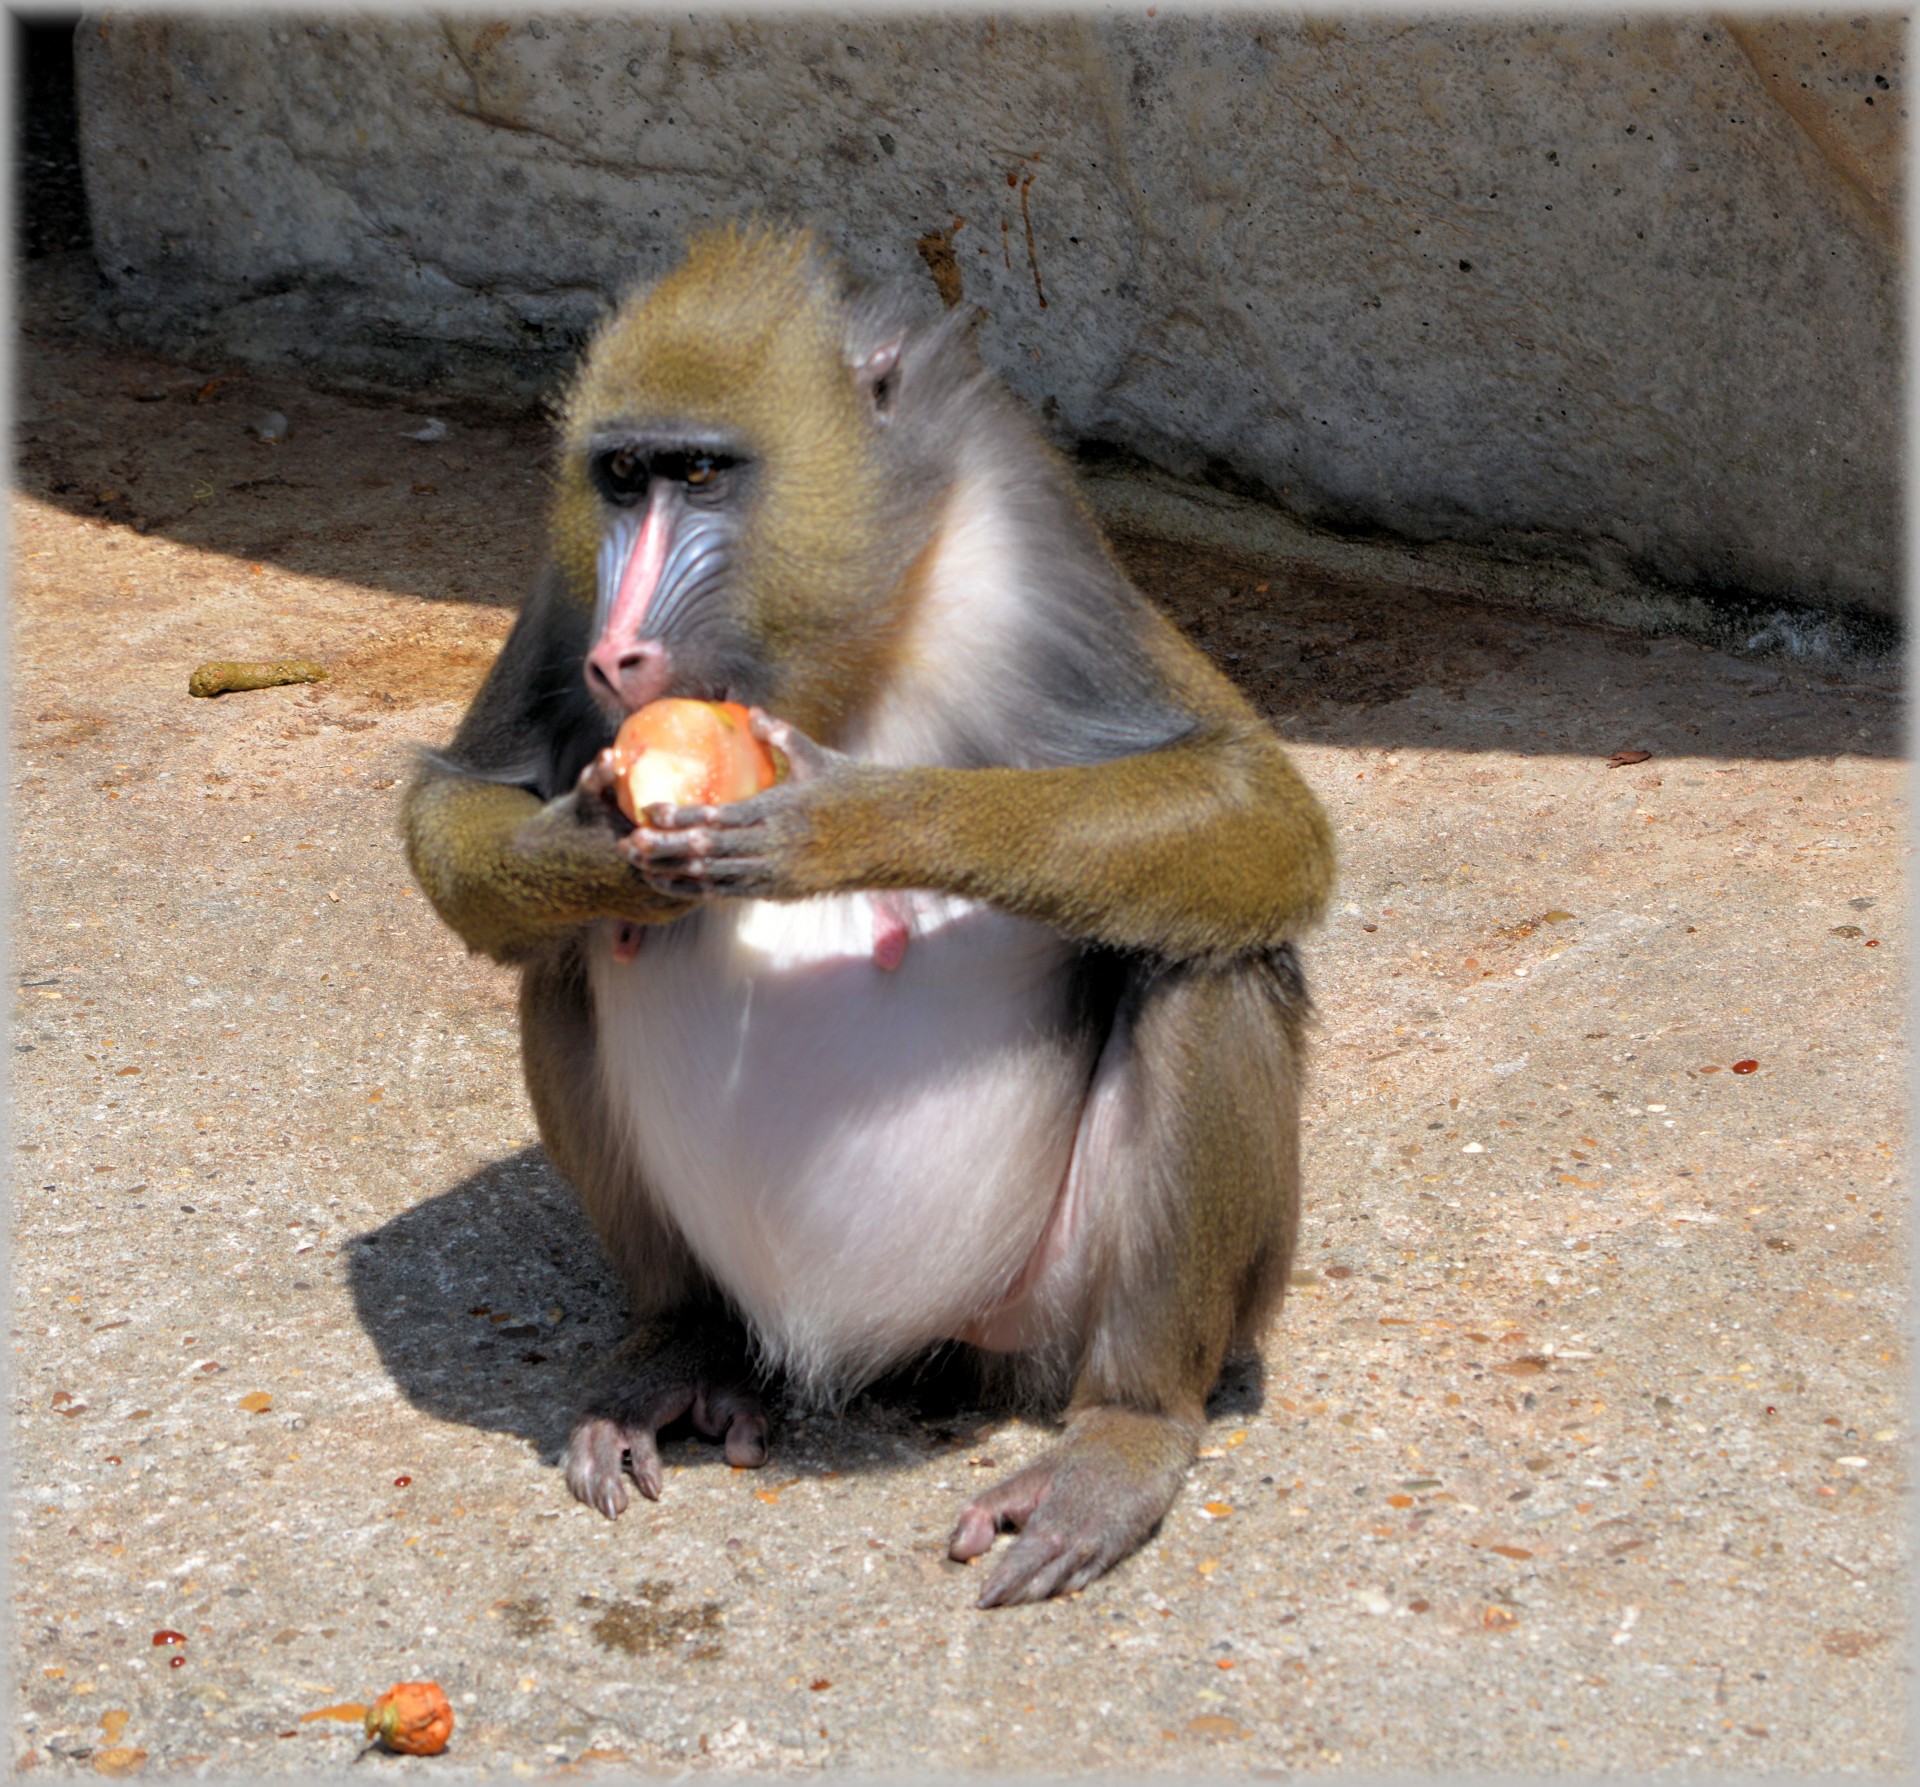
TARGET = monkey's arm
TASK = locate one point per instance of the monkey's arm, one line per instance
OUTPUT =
(507, 867)
(1205, 848)
(508, 872)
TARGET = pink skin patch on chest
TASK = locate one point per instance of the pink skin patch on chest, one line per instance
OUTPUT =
(890, 931)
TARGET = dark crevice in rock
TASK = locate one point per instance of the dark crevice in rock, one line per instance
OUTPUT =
(50, 199)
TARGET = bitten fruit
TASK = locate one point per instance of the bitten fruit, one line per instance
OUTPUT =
(411, 1719)
(686, 754)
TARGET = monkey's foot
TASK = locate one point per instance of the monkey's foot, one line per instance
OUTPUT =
(1081, 1508)
(702, 1374)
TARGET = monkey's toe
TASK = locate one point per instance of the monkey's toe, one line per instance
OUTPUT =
(736, 1417)
(1039, 1564)
(1068, 1536)
(1006, 1506)
(603, 1453)
(973, 1534)
(699, 1374)
(1080, 1508)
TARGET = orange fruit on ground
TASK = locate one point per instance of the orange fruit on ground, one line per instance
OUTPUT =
(688, 754)
(411, 1718)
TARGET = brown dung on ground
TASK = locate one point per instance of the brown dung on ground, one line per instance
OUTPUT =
(225, 675)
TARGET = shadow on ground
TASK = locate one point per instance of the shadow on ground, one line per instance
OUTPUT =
(490, 1302)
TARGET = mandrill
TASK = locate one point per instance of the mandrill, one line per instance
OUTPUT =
(983, 1025)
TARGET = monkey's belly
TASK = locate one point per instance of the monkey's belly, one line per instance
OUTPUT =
(863, 1158)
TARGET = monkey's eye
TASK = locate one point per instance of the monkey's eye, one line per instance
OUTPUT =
(700, 471)
(624, 475)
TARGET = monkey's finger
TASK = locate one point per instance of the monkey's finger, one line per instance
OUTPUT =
(805, 759)
(664, 817)
(704, 838)
(670, 848)
(682, 872)
(737, 815)
(650, 846)
(679, 875)
(600, 776)
(692, 865)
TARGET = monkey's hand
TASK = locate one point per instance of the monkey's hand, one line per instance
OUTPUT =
(509, 873)
(757, 848)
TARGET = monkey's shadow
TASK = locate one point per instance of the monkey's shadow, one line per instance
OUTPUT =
(490, 1302)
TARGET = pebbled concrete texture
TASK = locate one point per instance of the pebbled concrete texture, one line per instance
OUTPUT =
(1581, 1445)
(1620, 289)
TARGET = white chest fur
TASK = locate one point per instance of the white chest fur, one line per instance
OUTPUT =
(863, 1159)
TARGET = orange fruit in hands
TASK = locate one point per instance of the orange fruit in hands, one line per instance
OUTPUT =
(412, 1719)
(688, 754)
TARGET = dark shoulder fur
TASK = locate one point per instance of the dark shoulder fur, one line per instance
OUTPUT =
(534, 724)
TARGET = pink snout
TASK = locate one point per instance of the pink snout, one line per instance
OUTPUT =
(626, 677)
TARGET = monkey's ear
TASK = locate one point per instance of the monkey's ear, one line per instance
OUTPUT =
(876, 376)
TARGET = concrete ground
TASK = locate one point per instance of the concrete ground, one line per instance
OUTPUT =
(1580, 1446)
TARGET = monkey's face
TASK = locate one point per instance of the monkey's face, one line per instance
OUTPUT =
(671, 517)
(722, 489)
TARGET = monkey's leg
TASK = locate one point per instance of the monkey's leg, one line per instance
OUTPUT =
(1190, 1149)
(682, 1355)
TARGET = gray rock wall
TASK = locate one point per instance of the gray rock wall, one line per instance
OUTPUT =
(1626, 289)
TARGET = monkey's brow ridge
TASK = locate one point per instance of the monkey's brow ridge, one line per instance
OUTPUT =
(662, 437)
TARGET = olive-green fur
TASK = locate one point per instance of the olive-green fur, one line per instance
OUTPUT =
(1204, 849)
(1209, 849)
(1197, 1253)
(510, 875)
